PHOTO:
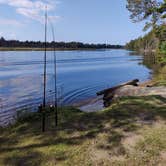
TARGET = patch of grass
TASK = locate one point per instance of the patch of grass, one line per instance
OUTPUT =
(148, 151)
(95, 138)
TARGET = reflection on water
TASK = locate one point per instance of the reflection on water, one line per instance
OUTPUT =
(150, 60)
(159, 69)
(80, 75)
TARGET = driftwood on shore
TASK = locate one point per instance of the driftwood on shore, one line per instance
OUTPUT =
(131, 88)
(110, 90)
(108, 94)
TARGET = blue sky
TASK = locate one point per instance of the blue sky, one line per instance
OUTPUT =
(89, 21)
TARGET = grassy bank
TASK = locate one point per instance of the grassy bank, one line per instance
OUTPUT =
(131, 132)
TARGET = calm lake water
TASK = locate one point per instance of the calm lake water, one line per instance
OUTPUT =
(80, 75)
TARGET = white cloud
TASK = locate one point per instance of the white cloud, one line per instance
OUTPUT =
(37, 4)
(20, 3)
(10, 22)
(30, 13)
(31, 9)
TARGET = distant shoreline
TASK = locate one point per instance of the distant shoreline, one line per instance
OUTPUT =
(50, 49)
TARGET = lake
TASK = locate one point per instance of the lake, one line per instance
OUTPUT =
(80, 74)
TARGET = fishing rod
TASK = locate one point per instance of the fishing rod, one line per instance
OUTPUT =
(45, 67)
(55, 76)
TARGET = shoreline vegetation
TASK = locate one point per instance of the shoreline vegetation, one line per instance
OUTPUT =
(152, 42)
(49, 49)
(16, 45)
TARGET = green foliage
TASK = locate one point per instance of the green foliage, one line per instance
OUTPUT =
(153, 10)
(163, 47)
(161, 35)
(160, 32)
(148, 42)
(155, 40)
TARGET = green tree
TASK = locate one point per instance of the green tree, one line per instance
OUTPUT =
(152, 10)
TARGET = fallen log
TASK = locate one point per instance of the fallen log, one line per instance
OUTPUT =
(108, 96)
(106, 92)
(106, 104)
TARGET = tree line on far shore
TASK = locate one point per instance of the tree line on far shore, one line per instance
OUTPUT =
(63, 45)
